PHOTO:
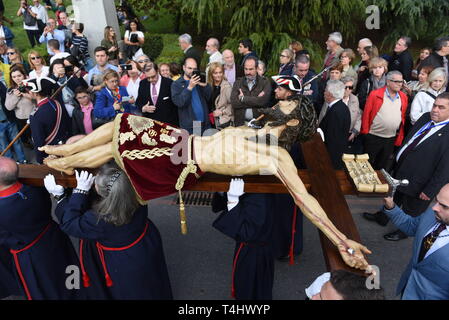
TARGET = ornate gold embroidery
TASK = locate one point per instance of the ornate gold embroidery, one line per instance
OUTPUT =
(173, 129)
(164, 131)
(148, 141)
(140, 124)
(126, 136)
(146, 153)
(166, 138)
(152, 133)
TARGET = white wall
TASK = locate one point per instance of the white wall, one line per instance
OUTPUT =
(95, 15)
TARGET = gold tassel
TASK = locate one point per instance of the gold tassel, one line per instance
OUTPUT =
(182, 214)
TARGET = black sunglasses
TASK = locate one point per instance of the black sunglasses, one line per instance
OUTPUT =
(349, 87)
(34, 58)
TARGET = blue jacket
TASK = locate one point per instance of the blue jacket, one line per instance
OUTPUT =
(182, 98)
(428, 279)
(104, 102)
(8, 36)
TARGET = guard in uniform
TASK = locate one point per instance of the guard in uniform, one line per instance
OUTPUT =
(40, 251)
(248, 220)
(50, 123)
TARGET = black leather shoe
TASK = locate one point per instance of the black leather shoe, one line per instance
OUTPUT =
(395, 236)
(380, 217)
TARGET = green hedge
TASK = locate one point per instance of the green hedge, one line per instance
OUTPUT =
(153, 46)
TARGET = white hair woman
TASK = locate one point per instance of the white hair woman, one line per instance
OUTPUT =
(423, 101)
(121, 253)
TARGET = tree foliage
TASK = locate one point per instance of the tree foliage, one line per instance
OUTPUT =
(418, 19)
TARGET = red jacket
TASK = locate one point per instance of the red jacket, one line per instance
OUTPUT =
(372, 107)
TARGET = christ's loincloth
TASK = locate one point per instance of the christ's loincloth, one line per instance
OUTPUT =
(154, 155)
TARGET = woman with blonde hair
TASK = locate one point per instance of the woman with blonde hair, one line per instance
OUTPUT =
(424, 99)
(110, 43)
(15, 58)
(378, 68)
(38, 64)
(286, 67)
(220, 102)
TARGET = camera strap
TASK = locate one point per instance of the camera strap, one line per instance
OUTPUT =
(55, 130)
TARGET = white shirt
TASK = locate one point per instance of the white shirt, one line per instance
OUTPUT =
(316, 286)
(187, 48)
(216, 57)
(158, 88)
(60, 55)
(133, 87)
(44, 72)
(41, 13)
(35, 27)
(439, 242)
(332, 103)
(422, 103)
(431, 132)
(128, 34)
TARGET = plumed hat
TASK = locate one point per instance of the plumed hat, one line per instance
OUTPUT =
(43, 85)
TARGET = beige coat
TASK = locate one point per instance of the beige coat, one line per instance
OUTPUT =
(356, 114)
(223, 102)
(22, 106)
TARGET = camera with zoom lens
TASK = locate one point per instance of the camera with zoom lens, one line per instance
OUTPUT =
(22, 89)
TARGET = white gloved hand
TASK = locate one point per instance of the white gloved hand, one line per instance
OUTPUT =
(84, 180)
(235, 191)
(52, 187)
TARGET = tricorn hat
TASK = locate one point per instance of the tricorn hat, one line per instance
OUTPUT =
(42, 85)
(289, 82)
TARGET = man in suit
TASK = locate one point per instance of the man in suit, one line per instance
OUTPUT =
(185, 42)
(427, 275)
(335, 122)
(154, 98)
(423, 159)
(191, 96)
(402, 60)
(302, 70)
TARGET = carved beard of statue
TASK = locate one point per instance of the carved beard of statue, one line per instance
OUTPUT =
(304, 112)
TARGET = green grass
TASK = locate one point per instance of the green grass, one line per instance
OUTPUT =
(21, 40)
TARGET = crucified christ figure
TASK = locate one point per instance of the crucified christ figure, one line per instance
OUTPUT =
(145, 149)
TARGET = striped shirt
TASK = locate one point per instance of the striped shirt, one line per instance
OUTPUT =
(82, 42)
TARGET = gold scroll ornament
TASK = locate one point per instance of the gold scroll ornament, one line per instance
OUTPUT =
(363, 174)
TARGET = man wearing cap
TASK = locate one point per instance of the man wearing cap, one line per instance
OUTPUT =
(50, 124)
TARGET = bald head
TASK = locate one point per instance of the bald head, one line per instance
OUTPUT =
(9, 172)
(228, 57)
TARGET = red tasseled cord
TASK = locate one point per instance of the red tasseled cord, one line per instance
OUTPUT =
(109, 282)
(292, 244)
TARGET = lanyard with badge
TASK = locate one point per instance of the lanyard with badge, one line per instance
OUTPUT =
(429, 127)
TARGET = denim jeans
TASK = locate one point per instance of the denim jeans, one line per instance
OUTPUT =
(8, 131)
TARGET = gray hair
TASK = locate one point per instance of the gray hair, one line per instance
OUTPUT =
(118, 199)
(263, 65)
(303, 59)
(407, 40)
(185, 38)
(348, 79)
(215, 42)
(336, 88)
(393, 73)
(368, 42)
(337, 37)
(438, 72)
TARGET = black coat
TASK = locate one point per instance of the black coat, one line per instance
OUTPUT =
(335, 125)
(427, 166)
(402, 62)
(78, 121)
(166, 111)
(192, 52)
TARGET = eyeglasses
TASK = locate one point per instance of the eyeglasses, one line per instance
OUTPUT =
(143, 61)
(34, 58)
(349, 87)
(10, 53)
(397, 81)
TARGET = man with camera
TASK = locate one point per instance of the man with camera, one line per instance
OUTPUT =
(189, 94)
(50, 32)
